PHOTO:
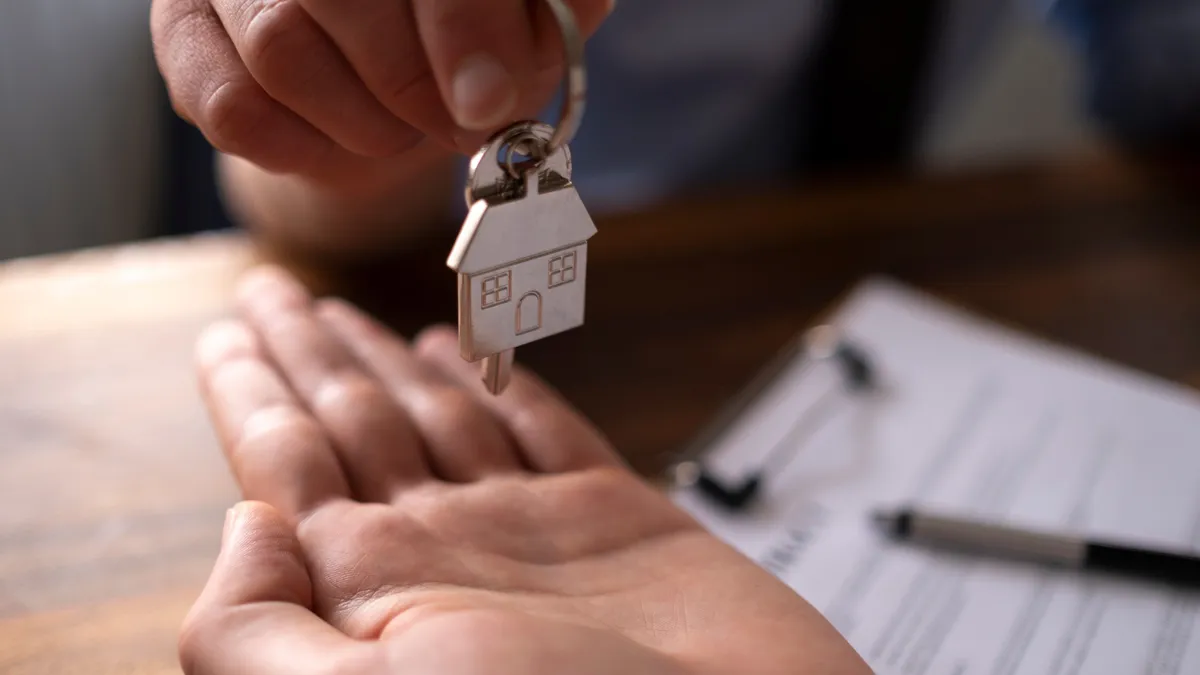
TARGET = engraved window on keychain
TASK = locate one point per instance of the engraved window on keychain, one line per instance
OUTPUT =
(521, 256)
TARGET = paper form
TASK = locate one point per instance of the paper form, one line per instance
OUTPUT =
(972, 418)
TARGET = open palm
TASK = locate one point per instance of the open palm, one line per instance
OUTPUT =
(404, 520)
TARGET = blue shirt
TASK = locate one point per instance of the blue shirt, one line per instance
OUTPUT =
(684, 94)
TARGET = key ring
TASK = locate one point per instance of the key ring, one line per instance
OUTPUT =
(574, 79)
(524, 142)
(519, 139)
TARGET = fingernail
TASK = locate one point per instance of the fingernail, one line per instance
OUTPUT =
(484, 93)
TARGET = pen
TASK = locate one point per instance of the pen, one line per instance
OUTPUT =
(1065, 550)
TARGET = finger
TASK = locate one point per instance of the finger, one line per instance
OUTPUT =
(379, 446)
(490, 65)
(299, 66)
(254, 614)
(209, 86)
(533, 102)
(479, 57)
(553, 436)
(379, 39)
(464, 441)
(277, 452)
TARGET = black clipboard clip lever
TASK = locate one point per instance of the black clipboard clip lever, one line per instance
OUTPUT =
(822, 344)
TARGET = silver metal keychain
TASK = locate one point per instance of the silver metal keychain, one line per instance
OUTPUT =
(521, 256)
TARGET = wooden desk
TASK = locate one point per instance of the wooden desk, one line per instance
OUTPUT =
(112, 489)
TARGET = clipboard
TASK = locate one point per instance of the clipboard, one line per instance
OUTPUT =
(979, 420)
(822, 344)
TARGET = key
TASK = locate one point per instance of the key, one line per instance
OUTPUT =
(521, 256)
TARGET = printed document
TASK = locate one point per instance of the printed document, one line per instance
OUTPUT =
(976, 419)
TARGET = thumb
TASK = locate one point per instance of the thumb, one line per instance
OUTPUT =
(254, 614)
(260, 560)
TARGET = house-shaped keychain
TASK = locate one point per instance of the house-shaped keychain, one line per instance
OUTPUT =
(521, 265)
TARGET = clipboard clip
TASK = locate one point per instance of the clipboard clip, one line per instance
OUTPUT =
(822, 344)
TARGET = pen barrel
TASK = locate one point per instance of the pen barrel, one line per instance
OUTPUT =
(998, 540)
(1175, 568)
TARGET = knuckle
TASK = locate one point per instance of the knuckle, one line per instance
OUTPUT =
(276, 427)
(233, 115)
(356, 407)
(269, 38)
(169, 19)
(435, 338)
(229, 371)
(351, 393)
(176, 28)
(265, 34)
(534, 418)
(450, 406)
(460, 431)
(223, 342)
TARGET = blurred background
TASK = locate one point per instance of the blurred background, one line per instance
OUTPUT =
(86, 126)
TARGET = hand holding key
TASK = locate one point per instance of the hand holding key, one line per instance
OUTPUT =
(321, 87)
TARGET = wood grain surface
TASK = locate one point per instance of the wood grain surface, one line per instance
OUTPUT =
(112, 488)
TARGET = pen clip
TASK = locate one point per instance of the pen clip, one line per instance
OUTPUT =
(821, 344)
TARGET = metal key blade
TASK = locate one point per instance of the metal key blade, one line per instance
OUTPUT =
(497, 371)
